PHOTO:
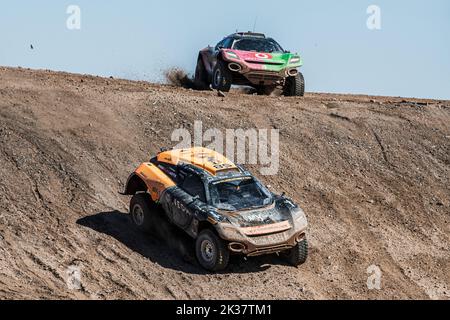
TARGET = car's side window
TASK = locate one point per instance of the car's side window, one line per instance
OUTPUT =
(227, 43)
(181, 175)
(193, 185)
(220, 44)
(169, 170)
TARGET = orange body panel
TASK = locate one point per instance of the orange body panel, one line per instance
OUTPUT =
(156, 180)
(207, 159)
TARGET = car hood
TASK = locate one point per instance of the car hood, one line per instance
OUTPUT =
(258, 217)
(260, 57)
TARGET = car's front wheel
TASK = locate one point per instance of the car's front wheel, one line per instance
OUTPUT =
(211, 251)
(222, 77)
(298, 254)
(294, 86)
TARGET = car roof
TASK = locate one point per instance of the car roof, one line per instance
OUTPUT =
(246, 35)
(249, 35)
(202, 158)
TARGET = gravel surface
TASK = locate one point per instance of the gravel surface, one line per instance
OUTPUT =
(371, 173)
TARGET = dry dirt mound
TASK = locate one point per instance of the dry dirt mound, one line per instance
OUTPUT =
(371, 173)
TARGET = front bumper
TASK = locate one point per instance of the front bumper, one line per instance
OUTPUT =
(264, 77)
(259, 73)
(239, 241)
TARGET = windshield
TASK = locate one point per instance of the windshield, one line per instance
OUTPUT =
(258, 45)
(239, 194)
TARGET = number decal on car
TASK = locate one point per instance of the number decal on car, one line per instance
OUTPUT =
(260, 55)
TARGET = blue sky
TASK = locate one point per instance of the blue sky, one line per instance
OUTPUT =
(137, 39)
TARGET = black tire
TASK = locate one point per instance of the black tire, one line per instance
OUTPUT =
(142, 210)
(298, 254)
(200, 78)
(221, 77)
(211, 251)
(265, 90)
(294, 86)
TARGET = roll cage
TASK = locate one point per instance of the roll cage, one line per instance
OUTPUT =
(195, 181)
(230, 41)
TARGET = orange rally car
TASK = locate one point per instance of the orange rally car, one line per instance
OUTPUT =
(220, 205)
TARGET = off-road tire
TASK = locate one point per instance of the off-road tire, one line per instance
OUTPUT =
(298, 254)
(221, 77)
(200, 77)
(294, 86)
(142, 210)
(219, 254)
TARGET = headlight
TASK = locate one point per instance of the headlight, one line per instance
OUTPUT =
(234, 221)
(294, 60)
(215, 216)
(228, 231)
(232, 55)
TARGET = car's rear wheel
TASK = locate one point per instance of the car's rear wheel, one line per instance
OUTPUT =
(200, 78)
(141, 211)
(298, 254)
(294, 86)
(211, 251)
(222, 77)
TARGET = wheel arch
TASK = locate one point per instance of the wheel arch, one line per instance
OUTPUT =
(221, 57)
(135, 184)
(201, 59)
(203, 225)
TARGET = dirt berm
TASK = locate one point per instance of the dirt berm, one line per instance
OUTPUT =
(372, 174)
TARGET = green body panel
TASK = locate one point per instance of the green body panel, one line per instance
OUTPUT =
(281, 58)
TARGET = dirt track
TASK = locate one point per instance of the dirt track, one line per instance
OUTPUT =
(371, 173)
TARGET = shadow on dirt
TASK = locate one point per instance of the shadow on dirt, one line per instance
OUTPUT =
(167, 245)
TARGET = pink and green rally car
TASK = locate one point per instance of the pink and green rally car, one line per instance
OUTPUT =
(251, 59)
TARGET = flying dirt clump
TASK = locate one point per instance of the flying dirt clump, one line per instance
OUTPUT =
(179, 78)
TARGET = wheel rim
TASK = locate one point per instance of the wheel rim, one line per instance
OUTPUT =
(217, 77)
(138, 215)
(207, 250)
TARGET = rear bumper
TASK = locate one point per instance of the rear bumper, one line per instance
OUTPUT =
(256, 245)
